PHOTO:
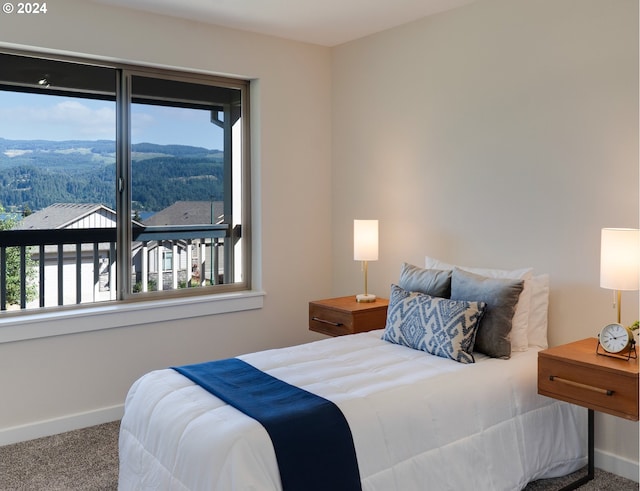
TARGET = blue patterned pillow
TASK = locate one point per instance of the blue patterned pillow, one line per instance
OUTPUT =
(439, 326)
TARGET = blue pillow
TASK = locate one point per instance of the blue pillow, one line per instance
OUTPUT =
(501, 296)
(434, 282)
(439, 326)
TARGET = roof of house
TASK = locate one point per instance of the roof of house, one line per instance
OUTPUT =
(60, 215)
(188, 213)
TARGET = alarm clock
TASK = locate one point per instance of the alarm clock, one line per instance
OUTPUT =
(615, 338)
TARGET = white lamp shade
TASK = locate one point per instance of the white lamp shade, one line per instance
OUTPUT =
(365, 240)
(620, 259)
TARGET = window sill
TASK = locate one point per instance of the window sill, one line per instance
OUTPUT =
(42, 325)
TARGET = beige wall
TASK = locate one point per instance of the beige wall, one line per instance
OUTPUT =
(62, 376)
(502, 134)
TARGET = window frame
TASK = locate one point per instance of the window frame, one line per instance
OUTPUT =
(122, 183)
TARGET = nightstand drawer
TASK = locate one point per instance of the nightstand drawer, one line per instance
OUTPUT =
(330, 321)
(589, 388)
(594, 381)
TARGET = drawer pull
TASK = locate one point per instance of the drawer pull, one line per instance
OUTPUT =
(582, 386)
(318, 319)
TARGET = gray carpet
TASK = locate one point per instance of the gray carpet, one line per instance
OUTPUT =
(87, 460)
(78, 460)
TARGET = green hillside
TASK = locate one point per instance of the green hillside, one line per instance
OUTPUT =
(38, 173)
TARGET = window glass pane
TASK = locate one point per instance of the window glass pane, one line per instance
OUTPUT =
(181, 184)
(57, 183)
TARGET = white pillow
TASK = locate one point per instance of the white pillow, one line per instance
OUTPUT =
(538, 323)
(519, 331)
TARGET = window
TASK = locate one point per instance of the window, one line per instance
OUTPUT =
(168, 260)
(119, 183)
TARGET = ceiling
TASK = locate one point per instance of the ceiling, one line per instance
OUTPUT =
(323, 22)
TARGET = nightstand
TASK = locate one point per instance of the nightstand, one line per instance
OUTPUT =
(343, 315)
(575, 373)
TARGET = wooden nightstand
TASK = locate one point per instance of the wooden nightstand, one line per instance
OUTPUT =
(575, 373)
(343, 315)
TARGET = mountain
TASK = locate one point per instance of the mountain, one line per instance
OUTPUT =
(38, 173)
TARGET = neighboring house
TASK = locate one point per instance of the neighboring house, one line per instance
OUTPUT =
(167, 264)
(193, 260)
(70, 215)
(73, 216)
(188, 213)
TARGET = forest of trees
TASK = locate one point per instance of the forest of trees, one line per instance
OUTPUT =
(35, 174)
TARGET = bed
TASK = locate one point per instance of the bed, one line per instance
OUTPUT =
(417, 419)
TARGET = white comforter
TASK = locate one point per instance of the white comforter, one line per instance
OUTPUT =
(418, 422)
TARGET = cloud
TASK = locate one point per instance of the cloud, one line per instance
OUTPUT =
(142, 122)
(26, 116)
(65, 119)
(161, 124)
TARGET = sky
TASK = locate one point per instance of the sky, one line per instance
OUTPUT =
(44, 117)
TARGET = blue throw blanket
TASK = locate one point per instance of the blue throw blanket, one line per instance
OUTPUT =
(310, 435)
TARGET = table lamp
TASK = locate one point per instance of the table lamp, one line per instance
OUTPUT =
(620, 261)
(365, 249)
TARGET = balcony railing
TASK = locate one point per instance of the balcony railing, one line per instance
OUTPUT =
(78, 266)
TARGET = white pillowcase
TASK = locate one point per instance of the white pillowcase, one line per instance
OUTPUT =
(519, 331)
(538, 320)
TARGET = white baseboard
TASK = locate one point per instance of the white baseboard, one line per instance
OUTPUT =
(602, 460)
(616, 465)
(50, 427)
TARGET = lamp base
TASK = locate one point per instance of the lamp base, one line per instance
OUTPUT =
(365, 298)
